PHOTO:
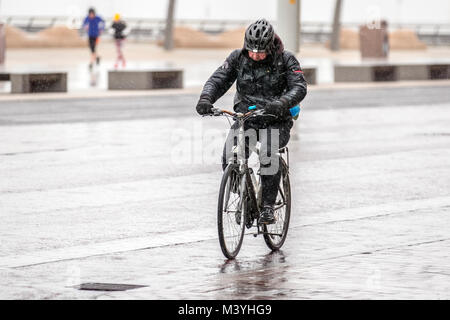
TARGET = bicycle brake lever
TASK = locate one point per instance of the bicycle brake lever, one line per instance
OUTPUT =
(262, 112)
(255, 113)
(216, 112)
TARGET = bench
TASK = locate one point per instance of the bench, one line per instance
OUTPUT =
(145, 80)
(4, 76)
(390, 72)
(36, 82)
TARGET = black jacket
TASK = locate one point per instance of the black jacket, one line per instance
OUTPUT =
(119, 27)
(278, 77)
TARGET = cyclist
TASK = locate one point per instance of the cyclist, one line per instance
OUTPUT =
(93, 25)
(269, 77)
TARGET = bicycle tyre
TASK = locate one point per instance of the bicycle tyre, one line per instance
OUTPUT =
(225, 218)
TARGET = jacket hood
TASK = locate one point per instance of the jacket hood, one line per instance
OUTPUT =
(277, 46)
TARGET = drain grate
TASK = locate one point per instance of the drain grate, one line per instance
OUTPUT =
(107, 286)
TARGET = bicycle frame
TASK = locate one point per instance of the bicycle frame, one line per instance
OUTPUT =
(238, 157)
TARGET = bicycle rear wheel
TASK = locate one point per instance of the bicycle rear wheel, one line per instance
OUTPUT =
(275, 234)
(230, 213)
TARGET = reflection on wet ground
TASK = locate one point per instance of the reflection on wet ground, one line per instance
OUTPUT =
(94, 77)
(260, 278)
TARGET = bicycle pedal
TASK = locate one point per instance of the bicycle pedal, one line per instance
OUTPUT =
(261, 223)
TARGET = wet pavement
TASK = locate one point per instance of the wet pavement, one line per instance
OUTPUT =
(124, 190)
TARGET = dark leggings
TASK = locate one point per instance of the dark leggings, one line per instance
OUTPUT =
(92, 43)
(270, 171)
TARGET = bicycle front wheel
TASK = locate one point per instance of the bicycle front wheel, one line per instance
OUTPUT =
(230, 214)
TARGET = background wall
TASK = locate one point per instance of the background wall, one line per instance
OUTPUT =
(404, 11)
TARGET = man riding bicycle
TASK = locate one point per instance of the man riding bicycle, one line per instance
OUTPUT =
(269, 78)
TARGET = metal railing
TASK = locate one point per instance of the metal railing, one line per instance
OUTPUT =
(153, 29)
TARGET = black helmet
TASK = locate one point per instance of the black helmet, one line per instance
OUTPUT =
(259, 36)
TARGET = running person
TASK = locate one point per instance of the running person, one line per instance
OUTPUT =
(119, 26)
(94, 26)
(270, 78)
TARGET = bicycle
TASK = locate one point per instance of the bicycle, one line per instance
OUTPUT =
(239, 202)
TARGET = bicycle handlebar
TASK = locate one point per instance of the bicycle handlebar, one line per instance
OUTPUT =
(219, 112)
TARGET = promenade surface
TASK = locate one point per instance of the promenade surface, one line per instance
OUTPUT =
(123, 188)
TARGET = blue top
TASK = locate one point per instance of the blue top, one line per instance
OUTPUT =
(96, 25)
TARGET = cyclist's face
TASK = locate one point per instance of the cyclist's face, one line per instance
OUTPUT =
(257, 56)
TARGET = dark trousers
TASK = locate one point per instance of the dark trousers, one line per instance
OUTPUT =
(92, 43)
(271, 138)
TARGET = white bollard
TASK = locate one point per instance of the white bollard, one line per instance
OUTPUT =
(288, 24)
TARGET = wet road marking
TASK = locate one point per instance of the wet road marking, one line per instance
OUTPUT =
(402, 245)
(103, 248)
(189, 236)
(373, 212)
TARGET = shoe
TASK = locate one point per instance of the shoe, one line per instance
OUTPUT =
(267, 216)
(98, 60)
(90, 66)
